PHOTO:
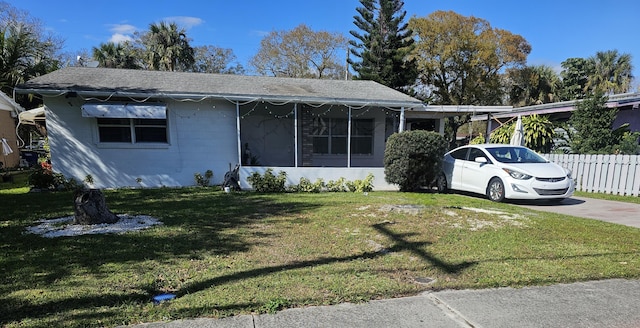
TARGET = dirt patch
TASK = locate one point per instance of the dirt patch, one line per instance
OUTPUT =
(484, 219)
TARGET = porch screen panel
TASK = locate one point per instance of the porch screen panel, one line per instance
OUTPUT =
(330, 136)
(320, 133)
(362, 137)
(339, 134)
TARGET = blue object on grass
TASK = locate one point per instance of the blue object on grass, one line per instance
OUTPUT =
(163, 297)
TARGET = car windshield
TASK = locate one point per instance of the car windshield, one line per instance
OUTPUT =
(515, 155)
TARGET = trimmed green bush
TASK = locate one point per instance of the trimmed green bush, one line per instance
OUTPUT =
(336, 185)
(268, 182)
(365, 185)
(306, 185)
(413, 159)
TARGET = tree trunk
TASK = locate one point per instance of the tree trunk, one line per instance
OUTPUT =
(91, 208)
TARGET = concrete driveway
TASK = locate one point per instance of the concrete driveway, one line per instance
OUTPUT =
(604, 210)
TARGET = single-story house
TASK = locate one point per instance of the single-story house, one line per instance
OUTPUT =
(158, 128)
(9, 109)
(154, 128)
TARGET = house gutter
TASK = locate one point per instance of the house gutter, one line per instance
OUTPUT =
(393, 105)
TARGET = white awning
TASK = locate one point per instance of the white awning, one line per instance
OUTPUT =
(158, 111)
(32, 115)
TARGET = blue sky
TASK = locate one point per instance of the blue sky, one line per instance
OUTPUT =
(557, 29)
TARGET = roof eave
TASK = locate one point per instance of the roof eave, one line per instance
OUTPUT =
(228, 97)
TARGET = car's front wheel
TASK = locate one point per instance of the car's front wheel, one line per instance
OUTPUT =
(495, 190)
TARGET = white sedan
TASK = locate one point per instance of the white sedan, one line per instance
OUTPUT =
(504, 172)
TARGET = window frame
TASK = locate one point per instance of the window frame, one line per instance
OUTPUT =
(132, 141)
(342, 124)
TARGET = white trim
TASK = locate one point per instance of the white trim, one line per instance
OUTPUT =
(295, 135)
(238, 134)
(349, 139)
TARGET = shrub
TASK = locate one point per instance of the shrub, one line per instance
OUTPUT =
(42, 178)
(337, 185)
(268, 182)
(412, 159)
(365, 185)
(305, 185)
(477, 140)
(203, 181)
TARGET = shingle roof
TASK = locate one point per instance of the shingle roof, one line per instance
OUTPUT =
(142, 83)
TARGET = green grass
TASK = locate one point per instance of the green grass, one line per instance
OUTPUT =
(18, 183)
(626, 199)
(230, 254)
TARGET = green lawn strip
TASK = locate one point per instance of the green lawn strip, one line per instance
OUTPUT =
(619, 198)
(229, 254)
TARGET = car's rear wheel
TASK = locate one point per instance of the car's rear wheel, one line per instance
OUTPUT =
(495, 190)
(441, 183)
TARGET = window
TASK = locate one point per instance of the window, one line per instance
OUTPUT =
(475, 153)
(330, 136)
(460, 153)
(132, 130)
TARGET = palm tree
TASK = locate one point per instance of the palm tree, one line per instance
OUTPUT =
(612, 72)
(23, 55)
(533, 85)
(116, 55)
(167, 48)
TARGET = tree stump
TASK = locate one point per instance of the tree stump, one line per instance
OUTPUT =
(91, 208)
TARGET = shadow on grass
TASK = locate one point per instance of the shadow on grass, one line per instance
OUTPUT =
(197, 222)
(400, 245)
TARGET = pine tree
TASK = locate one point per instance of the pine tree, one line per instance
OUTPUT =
(383, 45)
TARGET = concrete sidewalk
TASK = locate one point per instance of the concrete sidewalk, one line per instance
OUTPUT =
(602, 304)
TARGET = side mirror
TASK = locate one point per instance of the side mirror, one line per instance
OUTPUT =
(482, 160)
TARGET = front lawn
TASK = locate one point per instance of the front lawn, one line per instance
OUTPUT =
(228, 254)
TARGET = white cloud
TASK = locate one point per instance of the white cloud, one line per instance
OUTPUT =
(121, 32)
(122, 28)
(185, 21)
(117, 38)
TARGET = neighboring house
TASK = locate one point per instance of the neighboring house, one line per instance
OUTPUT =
(9, 110)
(627, 104)
(130, 127)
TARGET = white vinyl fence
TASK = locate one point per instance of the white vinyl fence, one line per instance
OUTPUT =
(610, 174)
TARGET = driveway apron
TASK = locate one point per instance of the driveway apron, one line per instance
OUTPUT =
(598, 209)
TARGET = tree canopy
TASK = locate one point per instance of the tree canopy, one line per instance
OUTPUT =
(212, 59)
(611, 72)
(461, 61)
(383, 44)
(532, 85)
(167, 48)
(117, 55)
(592, 122)
(26, 51)
(300, 52)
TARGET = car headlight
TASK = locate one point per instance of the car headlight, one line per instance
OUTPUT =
(518, 175)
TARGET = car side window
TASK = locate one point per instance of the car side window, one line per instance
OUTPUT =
(475, 152)
(460, 154)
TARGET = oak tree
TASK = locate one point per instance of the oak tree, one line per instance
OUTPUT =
(301, 53)
(461, 60)
(212, 59)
